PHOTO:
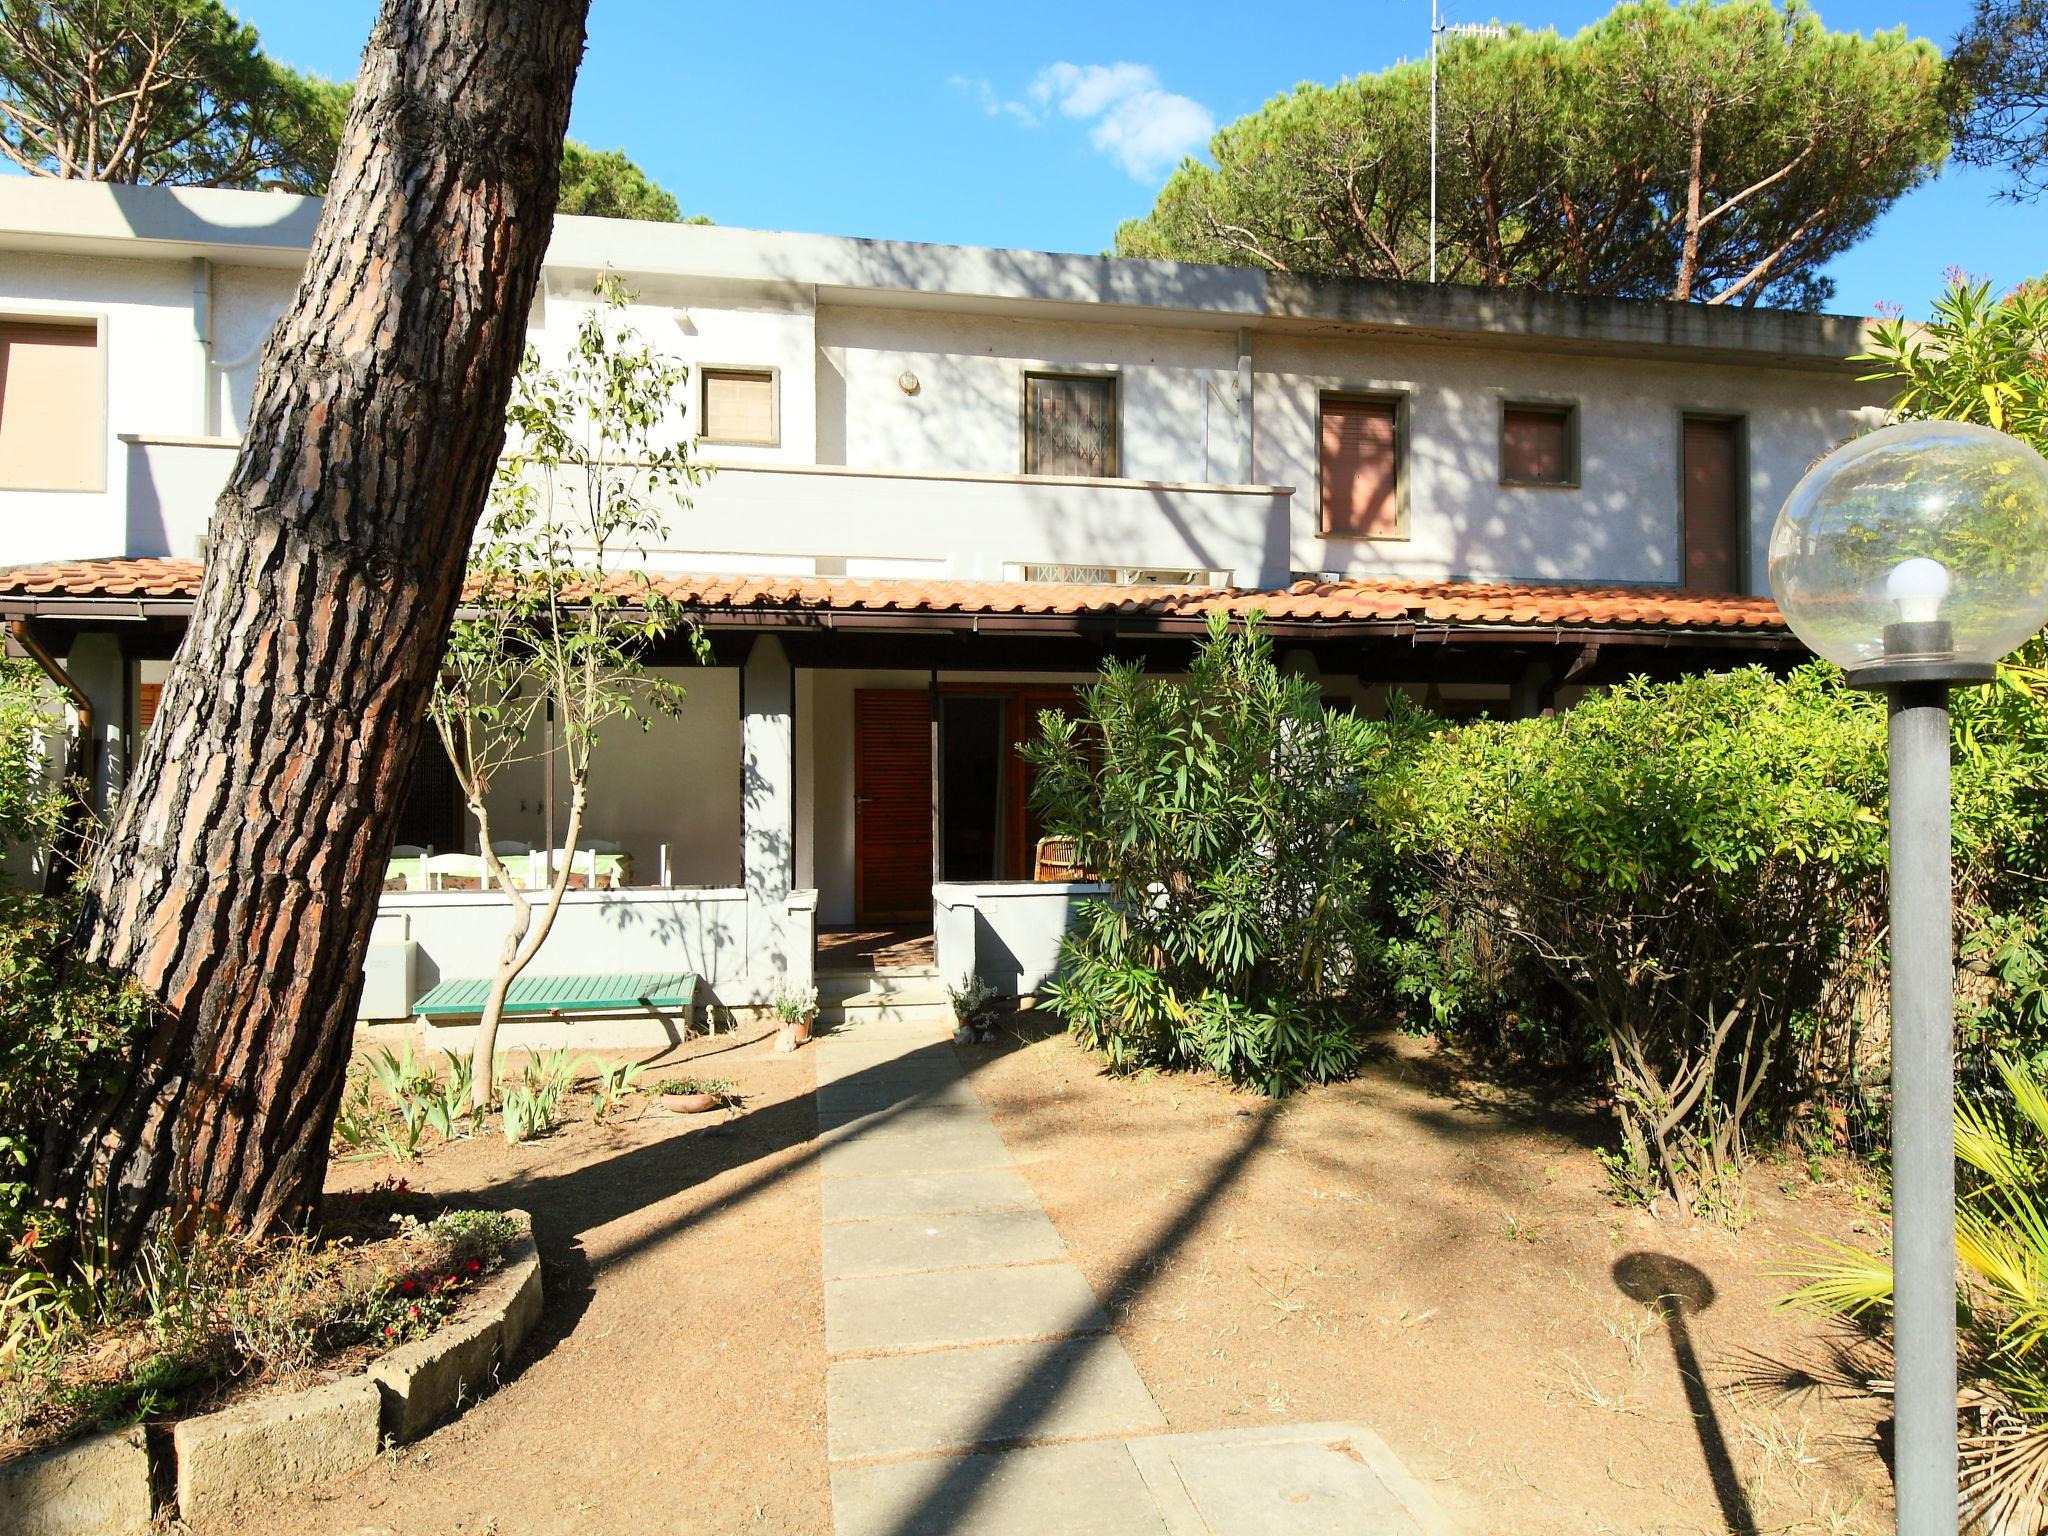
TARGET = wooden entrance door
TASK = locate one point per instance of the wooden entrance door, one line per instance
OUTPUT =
(892, 805)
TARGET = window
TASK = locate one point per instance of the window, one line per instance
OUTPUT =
(1538, 444)
(1070, 425)
(52, 416)
(739, 406)
(1359, 465)
(1712, 503)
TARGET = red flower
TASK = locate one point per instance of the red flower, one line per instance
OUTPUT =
(406, 1286)
(474, 1266)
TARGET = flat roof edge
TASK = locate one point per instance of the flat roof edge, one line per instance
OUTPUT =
(38, 212)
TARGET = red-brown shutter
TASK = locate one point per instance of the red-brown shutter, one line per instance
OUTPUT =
(1713, 504)
(146, 695)
(1359, 466)
(892, 808)
(1535, 446)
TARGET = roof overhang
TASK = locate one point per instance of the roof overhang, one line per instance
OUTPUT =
(275, 229)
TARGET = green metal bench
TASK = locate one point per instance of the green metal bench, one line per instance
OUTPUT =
(565, 994)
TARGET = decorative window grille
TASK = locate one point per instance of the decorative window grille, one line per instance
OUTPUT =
(1122, 575)
(1070, 425)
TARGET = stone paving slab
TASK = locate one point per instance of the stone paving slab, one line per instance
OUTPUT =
(836, 1122)
(926, 1193)
(838, 1102)
(904, 1244)
(1285, 1480)
(938, 1151)
(957, 1399)
(958, 1306)
(1089, 1489)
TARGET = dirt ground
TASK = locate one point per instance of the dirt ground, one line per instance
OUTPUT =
(676, 1383)
(1417, 1251)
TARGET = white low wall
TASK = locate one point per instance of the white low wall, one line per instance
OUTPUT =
(1007, 932)
(703, 930)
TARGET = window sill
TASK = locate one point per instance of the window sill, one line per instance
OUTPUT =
(1540, 485)
(1402, 537)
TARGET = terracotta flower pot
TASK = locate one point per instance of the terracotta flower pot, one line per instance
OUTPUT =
(689, 1103)
(803, 1031)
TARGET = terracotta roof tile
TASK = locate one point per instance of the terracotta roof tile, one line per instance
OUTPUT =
(1531, 604)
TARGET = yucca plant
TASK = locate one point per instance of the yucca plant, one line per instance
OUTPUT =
(2002, 1242)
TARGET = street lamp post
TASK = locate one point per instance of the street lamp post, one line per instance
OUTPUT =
(1916, 558)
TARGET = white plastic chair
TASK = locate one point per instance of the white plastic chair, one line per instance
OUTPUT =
(402, 852)
(461, 866)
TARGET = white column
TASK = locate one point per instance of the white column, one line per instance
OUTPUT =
(768, 821)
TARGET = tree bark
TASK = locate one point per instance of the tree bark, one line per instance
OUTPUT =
(239, 881)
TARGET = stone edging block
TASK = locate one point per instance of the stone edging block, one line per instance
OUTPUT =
(427, 1382)
(269, 1446)
(93, 1487)
(275, 1444)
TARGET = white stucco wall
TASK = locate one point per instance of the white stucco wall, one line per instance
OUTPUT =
(838, 361)
(150, 358)
(1175, 397)
(1620, 523)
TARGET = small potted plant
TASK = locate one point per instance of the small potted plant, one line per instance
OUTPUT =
(976, 1006)
(795, 1009)
(695, 1095)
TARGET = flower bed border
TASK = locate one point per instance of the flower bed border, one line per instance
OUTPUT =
(101, 1486)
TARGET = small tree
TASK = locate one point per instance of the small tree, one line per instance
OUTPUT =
(1228, 816)
(556, 625)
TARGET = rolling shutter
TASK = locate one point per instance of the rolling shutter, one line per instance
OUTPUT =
(52, 428)
(1535, 446)
(1712, 504)
(1359, 464)
(739, 405)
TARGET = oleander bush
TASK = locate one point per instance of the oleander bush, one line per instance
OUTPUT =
(1230, 815)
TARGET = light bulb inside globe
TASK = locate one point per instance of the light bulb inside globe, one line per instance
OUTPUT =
(1917, 587)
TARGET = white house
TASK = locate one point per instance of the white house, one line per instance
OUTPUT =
(949, 482)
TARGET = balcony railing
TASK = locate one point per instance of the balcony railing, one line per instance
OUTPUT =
(829, 520)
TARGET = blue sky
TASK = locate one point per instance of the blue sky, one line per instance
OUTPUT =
(1044, 126)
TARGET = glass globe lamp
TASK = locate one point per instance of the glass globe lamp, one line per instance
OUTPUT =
(1918, 553)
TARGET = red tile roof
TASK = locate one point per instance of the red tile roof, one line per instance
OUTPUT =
(1384, 600)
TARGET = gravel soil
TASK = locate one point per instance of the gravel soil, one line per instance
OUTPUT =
(1434, 1257)
(676, 1382)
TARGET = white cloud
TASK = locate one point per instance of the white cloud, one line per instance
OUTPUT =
(1133, 119)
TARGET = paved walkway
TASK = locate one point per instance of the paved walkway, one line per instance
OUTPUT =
(974, 1387)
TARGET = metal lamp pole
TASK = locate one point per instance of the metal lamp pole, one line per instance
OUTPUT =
(1916, 686)
(1876, 562)
(1923, 1113)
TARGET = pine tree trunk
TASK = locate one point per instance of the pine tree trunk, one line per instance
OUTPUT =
(239, 881)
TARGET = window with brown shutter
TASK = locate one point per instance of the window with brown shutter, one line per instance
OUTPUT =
(739, 406)
(1537, 445)
(1070, 425)
(1712, 503)
(146, 697)
(52, 407)
(1360, 468)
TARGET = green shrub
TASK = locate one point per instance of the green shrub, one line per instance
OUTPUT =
(63, 1036)
(1231, 817)
(1689, 864)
